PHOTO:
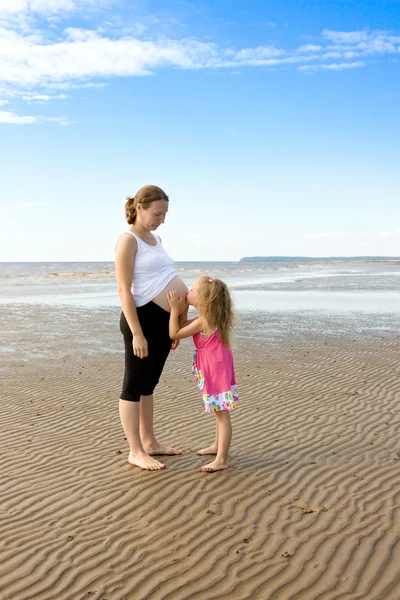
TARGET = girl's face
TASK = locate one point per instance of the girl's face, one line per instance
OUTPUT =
(152, 217)
(192, 296)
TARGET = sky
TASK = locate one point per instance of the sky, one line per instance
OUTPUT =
(272, 126)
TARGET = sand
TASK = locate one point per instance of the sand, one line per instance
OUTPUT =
(309, 509)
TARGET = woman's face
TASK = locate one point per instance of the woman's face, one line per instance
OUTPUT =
(152, 217)
(193, 295)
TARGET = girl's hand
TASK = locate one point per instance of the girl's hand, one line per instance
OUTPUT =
(175, 344)
(140, 346)
(173, 299)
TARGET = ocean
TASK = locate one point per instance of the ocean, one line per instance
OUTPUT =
(275, 285)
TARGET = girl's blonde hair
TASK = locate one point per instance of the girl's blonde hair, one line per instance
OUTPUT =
(215, 307)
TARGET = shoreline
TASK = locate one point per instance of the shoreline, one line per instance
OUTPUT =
(245, 300)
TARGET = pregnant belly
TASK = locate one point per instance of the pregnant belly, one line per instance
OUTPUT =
(175, 284)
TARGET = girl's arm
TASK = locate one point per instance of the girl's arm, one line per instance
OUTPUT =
(177, 329)
(182, 322)
(124, 265)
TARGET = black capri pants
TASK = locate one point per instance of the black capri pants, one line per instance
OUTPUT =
(142, 374)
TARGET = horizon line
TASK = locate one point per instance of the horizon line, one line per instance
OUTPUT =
(244, 258)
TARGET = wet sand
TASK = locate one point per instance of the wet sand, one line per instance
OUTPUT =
(309, 510)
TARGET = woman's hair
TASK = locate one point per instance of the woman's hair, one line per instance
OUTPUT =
(145, 196)
(215, 307)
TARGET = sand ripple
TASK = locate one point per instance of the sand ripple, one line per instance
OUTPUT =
(310, 509)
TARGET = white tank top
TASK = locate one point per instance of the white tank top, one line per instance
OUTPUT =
(153, 270)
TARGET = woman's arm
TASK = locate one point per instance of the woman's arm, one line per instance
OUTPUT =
(177, 329)
(124, 265)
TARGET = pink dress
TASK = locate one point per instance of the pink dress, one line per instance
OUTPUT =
(214, 372)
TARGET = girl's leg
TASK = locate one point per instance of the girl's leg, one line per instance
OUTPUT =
(129, 413)
(213, 449)
(146, 429)
(224, 429)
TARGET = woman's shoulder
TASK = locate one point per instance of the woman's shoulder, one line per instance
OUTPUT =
(126, 242)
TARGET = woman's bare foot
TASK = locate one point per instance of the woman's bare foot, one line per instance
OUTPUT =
(213, 466)
(144, 461)
(159, 449)
(211, 450)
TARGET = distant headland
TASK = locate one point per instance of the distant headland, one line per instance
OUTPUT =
(265, 258)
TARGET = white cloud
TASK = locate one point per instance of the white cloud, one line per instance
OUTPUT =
(259, 53)
(10, 7)
(70, 86)
(35, 61)
(346, 37)
(84, 54)
(332, 66)
(32, 97)
(25, 15)
(29, 96)
(363, 42)
(309, 48)
(11, 118)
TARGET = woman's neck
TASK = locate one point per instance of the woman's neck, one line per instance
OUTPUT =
(141, 231)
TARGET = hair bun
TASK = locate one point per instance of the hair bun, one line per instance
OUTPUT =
(130, 210)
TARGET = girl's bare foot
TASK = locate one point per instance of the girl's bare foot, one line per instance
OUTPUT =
(144, 461)
(213, 466)
(211, 450)
(158, 450)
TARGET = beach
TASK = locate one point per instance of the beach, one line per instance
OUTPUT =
(309, 508)
(242, 157)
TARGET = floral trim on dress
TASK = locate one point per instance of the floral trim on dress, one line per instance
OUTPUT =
(197, 373)
(222, 401)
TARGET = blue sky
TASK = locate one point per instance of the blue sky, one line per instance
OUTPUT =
(273, 126)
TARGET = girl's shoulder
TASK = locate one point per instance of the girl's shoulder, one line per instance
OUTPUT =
(205, 338)
(207, 333)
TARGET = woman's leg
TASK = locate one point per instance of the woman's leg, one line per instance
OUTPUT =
(147, 437)
(130, 418)
(129, 404)
(224, 433)
(156, 329)
(144, 374)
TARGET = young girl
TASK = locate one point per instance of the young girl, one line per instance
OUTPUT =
(212, 358)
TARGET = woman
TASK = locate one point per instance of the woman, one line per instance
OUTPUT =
(145, 274)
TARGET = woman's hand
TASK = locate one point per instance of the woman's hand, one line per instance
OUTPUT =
(175, 344)
(173, 299)
(140, 346)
